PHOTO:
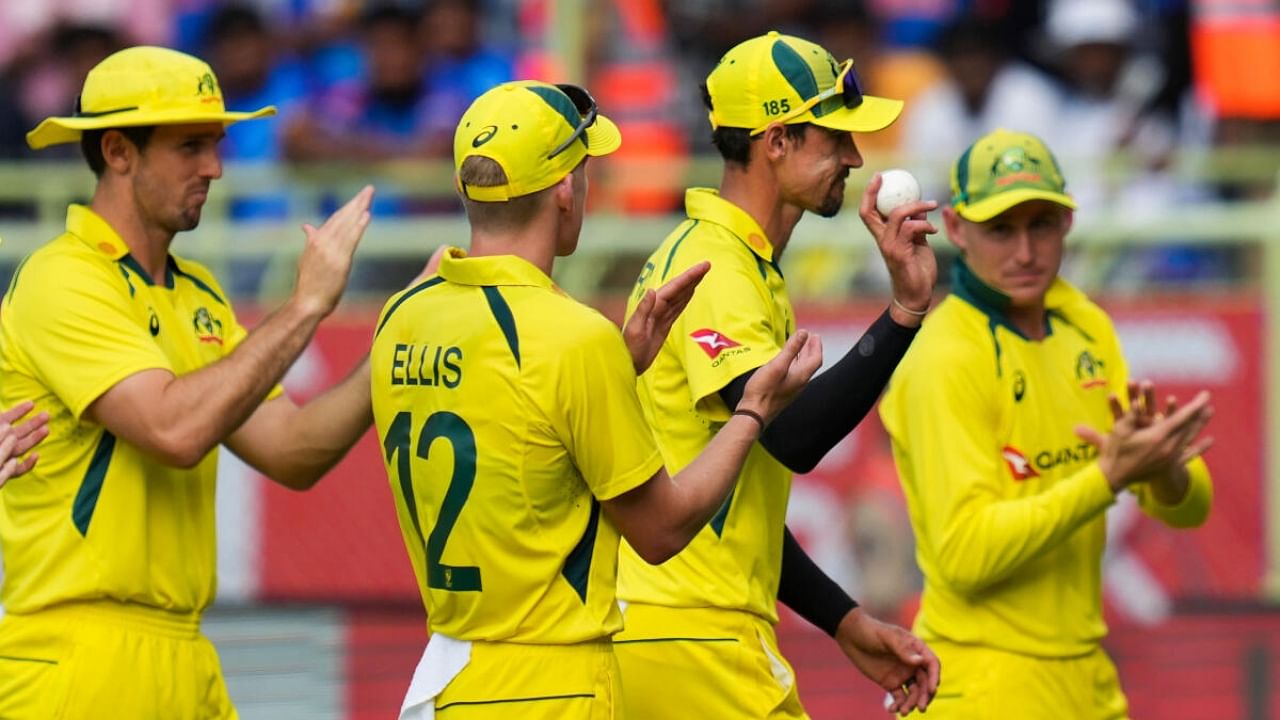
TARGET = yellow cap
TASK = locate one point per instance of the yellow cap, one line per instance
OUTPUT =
(781, 78)
(1005, 168)
(537, 132)
(142, 86)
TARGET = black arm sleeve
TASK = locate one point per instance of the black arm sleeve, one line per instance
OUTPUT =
(808, 591)
(833, 403)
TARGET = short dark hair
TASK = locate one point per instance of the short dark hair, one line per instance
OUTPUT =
(91, 144)
(480, 171)
(734, 144)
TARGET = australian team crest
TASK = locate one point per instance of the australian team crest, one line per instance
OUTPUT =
(1089, 371)
(207, 88)
(208, 328)
(1015, 165)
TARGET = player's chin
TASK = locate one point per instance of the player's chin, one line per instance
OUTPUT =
(832, 203)
(189, 219)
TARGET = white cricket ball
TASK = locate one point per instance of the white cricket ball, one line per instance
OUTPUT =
(896, 187)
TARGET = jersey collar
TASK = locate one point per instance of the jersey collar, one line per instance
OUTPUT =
(95, 232)
(995, 304)
(456, 267)
(706, 204)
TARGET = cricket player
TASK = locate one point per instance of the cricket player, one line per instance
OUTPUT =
(1014, 427)
(514, 441)
(137, 357)
(699, 638)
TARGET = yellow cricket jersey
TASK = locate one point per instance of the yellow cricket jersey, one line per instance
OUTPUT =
(1007, 503)
(507, 411)
(97, 518)
(738, 320)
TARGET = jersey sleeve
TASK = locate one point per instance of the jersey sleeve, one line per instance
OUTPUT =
(724, 332)
(81, 338)
(599, 416)
(943, 421)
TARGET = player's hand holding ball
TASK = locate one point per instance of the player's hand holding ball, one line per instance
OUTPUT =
(895, 215)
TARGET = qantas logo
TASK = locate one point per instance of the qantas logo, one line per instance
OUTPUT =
(712, 342)
(1018, 463)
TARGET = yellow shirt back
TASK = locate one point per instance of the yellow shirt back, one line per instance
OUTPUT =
(507, 411)
(97, 518)
(739, 318)
(1006, 502)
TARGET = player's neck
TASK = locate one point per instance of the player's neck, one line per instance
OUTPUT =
(535, 246)
(148, 245)
(1030, 320)
(761, 199)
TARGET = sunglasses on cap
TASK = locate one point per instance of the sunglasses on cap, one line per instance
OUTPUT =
(587, 111)
(847, 85)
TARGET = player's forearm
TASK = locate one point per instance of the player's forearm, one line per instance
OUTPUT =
(201, 409)
(667, 512)
(705, 483)
(982, 543)
(321, 432)
(807, 590)
(833, 403)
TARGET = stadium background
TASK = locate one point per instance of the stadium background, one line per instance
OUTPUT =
(1175, 161)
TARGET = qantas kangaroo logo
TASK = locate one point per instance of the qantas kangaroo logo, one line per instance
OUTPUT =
(712, 342)
(1018, 463)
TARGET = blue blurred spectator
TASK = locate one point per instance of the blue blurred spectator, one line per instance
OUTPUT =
(252, 73)
(317, 30)
(243, 53)
(390, 113)
(459, 63)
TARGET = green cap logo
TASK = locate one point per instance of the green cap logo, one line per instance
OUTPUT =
(206, 86)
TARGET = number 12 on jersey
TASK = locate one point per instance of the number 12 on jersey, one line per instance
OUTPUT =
(447, 426)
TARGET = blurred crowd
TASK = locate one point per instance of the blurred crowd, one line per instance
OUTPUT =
(374, 80)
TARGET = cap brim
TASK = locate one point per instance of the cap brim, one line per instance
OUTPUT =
(603, 137)
(875, 113)
(984, 210)
(59, 130)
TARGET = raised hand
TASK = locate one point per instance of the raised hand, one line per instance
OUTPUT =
(1144, 444)
(903, 242)
(892, 658)
(777, 382)
(325, 264)
(16, 441)
(648, 326)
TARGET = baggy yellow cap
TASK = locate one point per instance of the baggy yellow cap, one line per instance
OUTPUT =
(536, 131)
(1005, 168)
(782, 78)
(142, 86)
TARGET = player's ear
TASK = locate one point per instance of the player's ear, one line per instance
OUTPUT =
(955, 227)
(774, 142)
(563, 193)
(117, 152)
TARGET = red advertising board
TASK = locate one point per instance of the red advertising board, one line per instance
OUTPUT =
(341, 540)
